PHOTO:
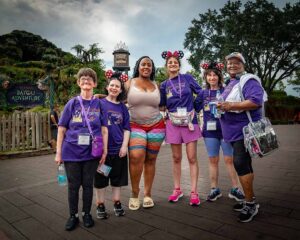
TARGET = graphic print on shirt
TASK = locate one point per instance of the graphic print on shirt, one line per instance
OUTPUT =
(77, 116)
(174, 91)
(91, 115)
(114, 118)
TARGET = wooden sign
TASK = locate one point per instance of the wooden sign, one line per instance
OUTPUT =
(26, 95)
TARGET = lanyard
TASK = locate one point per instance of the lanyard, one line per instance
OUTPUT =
(179, 86)
(209, 96)
(83, 112)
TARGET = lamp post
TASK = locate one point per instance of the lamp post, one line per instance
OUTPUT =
(121, 58)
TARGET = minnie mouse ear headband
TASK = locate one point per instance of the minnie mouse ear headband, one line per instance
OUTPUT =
(109, 74)
(212, 65)
(237, 55)
(177, 54)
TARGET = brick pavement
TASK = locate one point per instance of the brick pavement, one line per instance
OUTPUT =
(33, 206)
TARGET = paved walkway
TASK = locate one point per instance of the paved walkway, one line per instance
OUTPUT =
(33, 206)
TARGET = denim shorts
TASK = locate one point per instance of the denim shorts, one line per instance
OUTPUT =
(213, 147)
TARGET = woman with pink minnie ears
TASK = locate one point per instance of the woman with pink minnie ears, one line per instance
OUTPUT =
(181, 124)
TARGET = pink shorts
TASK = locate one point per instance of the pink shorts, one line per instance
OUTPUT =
(178, 135)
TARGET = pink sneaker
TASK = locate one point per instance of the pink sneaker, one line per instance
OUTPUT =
(176, 195)
(194, 199)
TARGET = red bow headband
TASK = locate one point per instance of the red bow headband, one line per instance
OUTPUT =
(212, 65)
(177, 54)
(109, 73)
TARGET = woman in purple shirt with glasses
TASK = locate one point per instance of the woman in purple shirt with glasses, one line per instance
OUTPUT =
(74, 146)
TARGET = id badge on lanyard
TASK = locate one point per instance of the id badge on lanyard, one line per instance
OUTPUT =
(84, 139)
(206, 108)
(181, 111)
(211, 125)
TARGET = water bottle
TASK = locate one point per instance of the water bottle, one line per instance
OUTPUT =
(219, 99)
(61, 175)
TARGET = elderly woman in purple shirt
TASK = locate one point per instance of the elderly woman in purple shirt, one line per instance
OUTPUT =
(233, 121)
(74, 146)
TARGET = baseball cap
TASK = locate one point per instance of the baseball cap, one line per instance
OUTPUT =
(236, 55)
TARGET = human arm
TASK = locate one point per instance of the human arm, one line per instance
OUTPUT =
(104, 132)
(253, 98)
(237, 106)
(60, 138)
(124, 147)
(199, 101)
(100, 95)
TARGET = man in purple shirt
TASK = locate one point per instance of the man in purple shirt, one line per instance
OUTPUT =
(233, 121)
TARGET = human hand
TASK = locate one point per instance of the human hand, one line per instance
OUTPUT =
(103, 158)
(225, 106)
(123, 152)
(58, 159)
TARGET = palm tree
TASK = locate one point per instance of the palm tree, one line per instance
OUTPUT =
(94, 51)
(78, 48)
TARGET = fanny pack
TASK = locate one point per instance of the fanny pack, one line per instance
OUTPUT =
(179, 120)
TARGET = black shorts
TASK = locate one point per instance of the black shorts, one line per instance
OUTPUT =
(241, 158)
(118, 175)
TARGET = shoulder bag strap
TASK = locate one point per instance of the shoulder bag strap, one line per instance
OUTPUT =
(247, 112)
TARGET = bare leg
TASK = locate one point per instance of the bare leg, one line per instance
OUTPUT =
(149, 173)
(214, 171)
(100, 195)
(116, 194)
(136, 164)
(231, 171)
(177, 156)
(247, 185)
(191, 150)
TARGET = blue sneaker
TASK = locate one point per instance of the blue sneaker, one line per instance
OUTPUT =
(215, 193)
(236, 194)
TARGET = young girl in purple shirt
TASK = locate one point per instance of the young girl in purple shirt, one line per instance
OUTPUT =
(119, 132)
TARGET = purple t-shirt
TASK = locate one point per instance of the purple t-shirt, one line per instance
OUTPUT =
(232, 123)
(202, 102)
(118, 121)
(174, 96)
(73, 120)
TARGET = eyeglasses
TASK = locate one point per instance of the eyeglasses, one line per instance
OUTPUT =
(89, 79)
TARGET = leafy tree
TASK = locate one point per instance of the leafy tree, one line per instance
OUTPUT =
(267, 36)
(160, 74)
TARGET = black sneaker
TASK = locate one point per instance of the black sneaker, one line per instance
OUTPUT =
(72, 223)
(236, 194)
(239, 206)
(119, 211)
(248, 212)
(100, 211)
(215, 193)
(87, 220)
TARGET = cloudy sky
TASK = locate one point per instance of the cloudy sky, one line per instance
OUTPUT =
(146, 26)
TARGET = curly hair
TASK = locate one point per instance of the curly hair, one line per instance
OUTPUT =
(137, 65)
(116, 76)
